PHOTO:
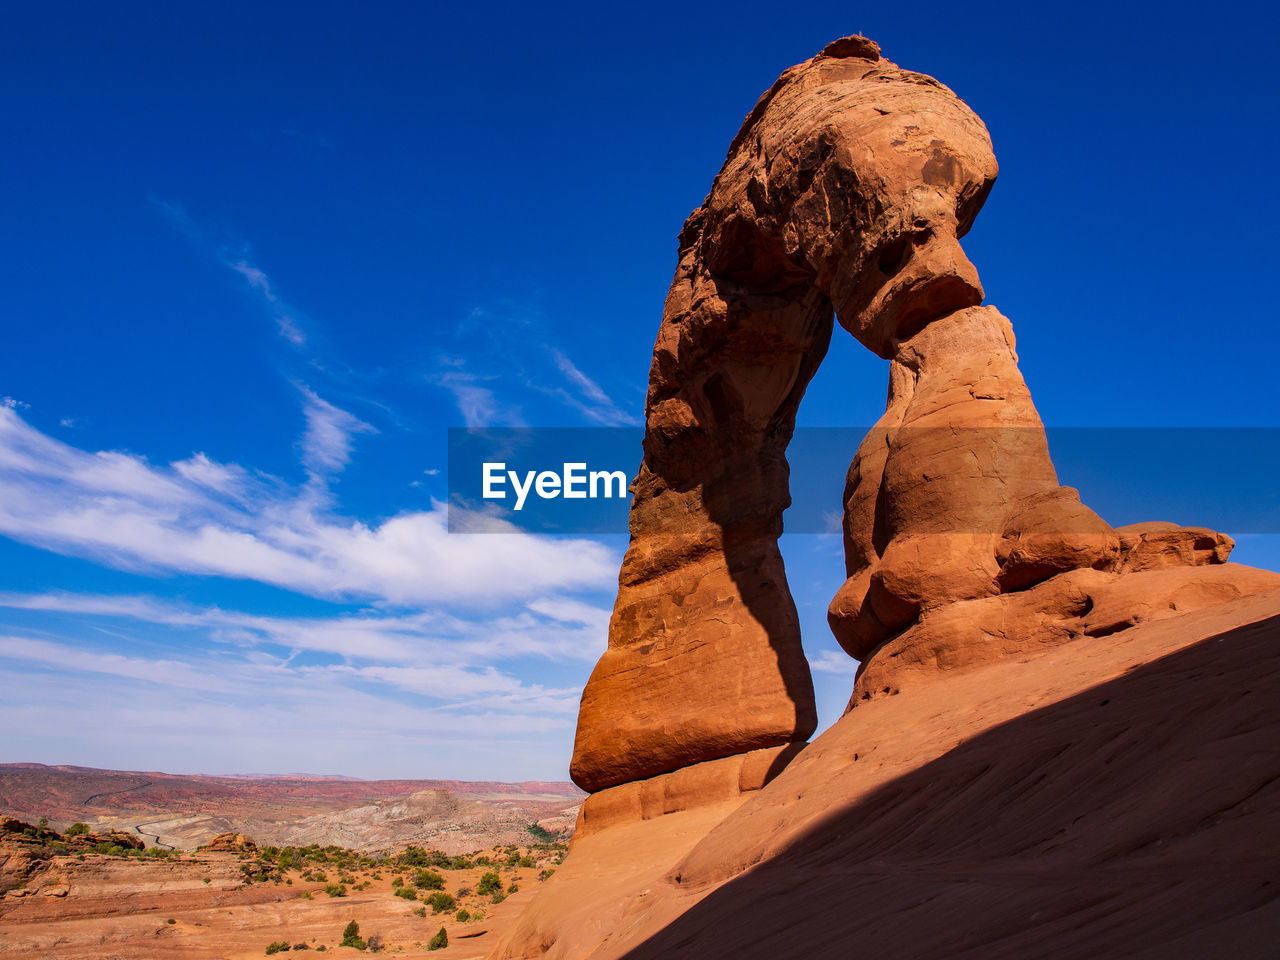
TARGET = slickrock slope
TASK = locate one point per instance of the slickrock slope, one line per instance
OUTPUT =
(1062, 737)
(1117, 796)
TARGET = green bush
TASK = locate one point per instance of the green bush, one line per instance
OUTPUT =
(277, 946)
(439, 941)
(77, 829)
(428, 880)
(335, 890)
(463, 915)
(407, 892)
(489, 883)
(441, 902)
(351, 936)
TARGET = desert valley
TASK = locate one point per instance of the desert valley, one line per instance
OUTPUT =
(116, 864)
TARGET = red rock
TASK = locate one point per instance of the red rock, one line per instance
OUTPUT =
(847, 187)
(231, 843)
(965, 803)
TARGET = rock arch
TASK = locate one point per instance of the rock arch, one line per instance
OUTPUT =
(845, 193)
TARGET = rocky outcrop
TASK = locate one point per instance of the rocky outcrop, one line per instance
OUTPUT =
(846, 189)
(968, 565)
(231, 843)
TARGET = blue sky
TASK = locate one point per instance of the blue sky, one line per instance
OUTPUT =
(259, 257)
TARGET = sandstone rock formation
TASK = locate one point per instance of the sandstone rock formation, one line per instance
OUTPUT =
(846, 191)
(231, 843)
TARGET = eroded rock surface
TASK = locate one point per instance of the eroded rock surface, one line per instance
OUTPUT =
(1005, 612)
(846, 189)
(845, 192)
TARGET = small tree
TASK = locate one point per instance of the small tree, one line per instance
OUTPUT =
(439, 941)
(489, 883)
(77, 829)
(351, 936)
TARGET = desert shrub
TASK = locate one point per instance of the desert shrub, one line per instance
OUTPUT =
(302, 946)
(440, 902)
(439, 941)
(335, 890)
(513, 888)
(351, 936)
(463, 915)
(277, 946)
(397, 882)
(498, 897)
(77, 829)
(428, 880)
(407, 892)
(539, 833)
(374, 942)
(545, 874)
(465, 891)
(489, 883)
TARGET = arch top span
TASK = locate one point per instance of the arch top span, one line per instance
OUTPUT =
(844, 192)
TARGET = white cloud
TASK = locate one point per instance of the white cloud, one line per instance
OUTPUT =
(596, 405)
(833, 661)
(287, 322)
(478, 404)
(195, 516)
(216, 714)
(326, 444)
(538, 630)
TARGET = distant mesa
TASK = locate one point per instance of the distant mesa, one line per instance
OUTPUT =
(844, 197)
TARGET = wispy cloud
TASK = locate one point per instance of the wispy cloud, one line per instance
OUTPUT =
(218, 712)
(499, 372)
(596, 405)
(198, 516)
(327, 442)
(234, 255)
(833, 661)
(476, 399)
(258, 280)
(549, 628)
